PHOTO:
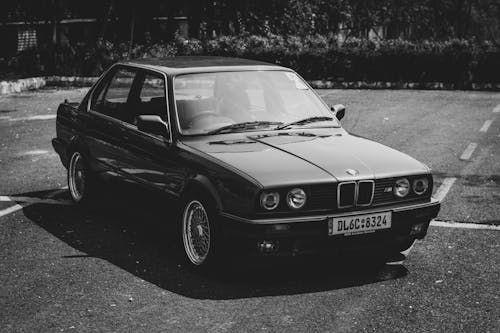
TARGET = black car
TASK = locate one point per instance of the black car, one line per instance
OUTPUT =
(255, 159)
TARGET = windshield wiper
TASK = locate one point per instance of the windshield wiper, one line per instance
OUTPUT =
(243, 125)
(305, 121)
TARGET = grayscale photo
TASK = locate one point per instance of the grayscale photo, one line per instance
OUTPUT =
(250, 166)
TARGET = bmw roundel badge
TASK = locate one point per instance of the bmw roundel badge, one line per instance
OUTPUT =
(352, 172)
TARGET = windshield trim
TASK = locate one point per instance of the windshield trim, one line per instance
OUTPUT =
(284, 69)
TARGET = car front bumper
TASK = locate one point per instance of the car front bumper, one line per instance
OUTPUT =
(309, 234)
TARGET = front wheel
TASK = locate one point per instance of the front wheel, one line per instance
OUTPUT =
(198, 232)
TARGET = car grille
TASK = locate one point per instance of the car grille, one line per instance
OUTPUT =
(365, 192)
(381, 195)
(322, 197)
(352, 194)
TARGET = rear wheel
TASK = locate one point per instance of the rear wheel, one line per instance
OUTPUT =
(81, 183)
(198, 237)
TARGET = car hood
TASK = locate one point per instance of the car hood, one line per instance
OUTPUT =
(300, 157)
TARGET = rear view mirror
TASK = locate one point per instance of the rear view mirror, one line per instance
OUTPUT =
(339, 111)
(152, 124)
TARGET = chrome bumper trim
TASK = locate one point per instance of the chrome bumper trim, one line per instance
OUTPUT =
(319, 218)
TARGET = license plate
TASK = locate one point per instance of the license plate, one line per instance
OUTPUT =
(359, 224)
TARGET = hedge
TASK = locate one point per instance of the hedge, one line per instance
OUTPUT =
(457, 62)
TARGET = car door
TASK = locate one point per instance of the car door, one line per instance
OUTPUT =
(109, 121)
(150, 159)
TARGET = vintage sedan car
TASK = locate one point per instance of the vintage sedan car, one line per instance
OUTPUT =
(256, 161)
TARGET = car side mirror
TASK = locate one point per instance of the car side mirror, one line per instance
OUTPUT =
(152, 124)
(338, 110)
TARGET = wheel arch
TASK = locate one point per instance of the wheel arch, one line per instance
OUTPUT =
(76, 144)
(202, 184)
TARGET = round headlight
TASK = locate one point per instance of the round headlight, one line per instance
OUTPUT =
(296, 198)
(270, 200)
(402, 187)
(420, 185)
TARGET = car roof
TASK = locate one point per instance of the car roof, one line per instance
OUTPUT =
(201, 64)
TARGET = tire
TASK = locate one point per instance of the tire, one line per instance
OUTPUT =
(198, 238)
(81, 182)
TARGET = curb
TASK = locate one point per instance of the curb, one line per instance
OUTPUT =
(71, 81)
(33, 83)
(10, 87)
(17, 86)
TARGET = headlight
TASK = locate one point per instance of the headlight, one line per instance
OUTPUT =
(402, 187)
(296, 198)
(269, 201)
(420, 185)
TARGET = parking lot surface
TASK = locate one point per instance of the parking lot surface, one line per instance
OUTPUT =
(112, 269)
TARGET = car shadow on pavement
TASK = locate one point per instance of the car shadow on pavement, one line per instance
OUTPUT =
(128, 233)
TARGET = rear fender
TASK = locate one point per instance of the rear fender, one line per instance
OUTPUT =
(76, 144)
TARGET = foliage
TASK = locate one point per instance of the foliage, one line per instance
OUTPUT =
(316, 57)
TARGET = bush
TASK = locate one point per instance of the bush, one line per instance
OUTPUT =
(316, 57)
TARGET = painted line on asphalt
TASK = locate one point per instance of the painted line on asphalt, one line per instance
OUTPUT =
(486, 126)
(18, 206)
(445, 187)
(464, 225)
(33, 200)
(496, 109)
(468, 151)
(12, 209)
(39, 117)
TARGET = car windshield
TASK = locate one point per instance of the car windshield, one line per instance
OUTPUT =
(209, 103)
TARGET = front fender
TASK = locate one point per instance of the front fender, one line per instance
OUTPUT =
(201, 182)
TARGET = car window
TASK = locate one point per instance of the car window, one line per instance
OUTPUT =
(113, 96)
(207, 101)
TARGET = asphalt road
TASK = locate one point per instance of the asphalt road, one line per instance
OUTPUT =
(110, 269)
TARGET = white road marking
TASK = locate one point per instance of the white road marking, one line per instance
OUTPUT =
(34, 152)
(486, 125)
(444, 188)
(39, 117)
(18, 206)
(496, 109)
(463, 225)
(468, 151)
(12, 209)
(32, 200)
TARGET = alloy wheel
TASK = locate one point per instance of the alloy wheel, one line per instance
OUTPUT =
(76, 177)
(196, 232)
